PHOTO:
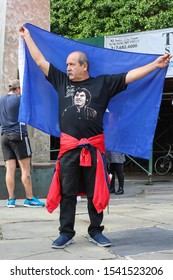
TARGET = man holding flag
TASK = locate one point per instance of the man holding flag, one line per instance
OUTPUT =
(81, 159)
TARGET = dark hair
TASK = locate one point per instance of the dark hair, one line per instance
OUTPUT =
(87, 94)
(13, 89)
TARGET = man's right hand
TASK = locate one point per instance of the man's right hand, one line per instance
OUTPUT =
(34, 50)
(23, 31)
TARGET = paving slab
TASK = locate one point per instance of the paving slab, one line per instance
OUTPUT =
(141, 240)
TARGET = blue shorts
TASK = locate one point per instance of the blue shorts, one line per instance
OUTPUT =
(13, 147)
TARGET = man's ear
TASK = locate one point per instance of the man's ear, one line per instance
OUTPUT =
(85, 66)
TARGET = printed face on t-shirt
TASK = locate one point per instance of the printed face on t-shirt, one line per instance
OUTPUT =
(80, 99)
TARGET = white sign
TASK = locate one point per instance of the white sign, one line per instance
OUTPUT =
(151, 42)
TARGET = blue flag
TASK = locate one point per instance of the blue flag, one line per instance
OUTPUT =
(131, 117)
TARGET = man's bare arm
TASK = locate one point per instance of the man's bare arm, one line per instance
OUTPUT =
(34, 51)
(138, 73)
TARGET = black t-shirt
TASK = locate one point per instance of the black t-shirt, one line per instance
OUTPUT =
(83, 104)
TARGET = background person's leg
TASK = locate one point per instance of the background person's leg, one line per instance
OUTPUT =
(25, 165)
(10, 177)
(113, 172)
(119, 167)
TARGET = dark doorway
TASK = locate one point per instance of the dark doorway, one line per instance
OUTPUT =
(164, 129)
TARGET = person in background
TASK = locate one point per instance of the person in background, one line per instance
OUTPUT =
(16, 147)
(115, 164)
(82, 138)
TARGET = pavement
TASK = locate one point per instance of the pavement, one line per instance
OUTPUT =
(139, 224)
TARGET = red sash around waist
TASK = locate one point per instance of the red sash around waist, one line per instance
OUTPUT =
(101, 190)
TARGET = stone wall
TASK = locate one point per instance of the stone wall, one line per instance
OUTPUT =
(13, 13)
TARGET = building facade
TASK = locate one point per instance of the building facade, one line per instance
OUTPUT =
(14, 13)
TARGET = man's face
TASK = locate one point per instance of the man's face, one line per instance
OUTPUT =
(80, 99)
(75, 71)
